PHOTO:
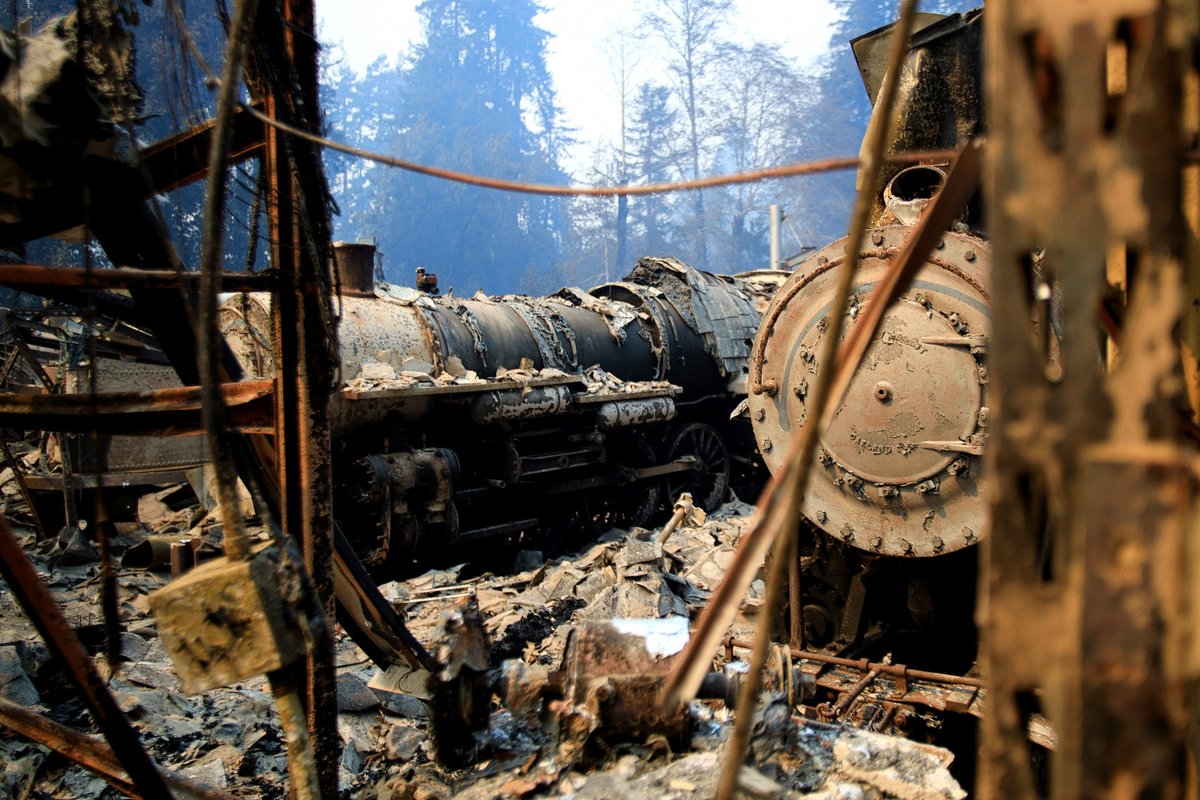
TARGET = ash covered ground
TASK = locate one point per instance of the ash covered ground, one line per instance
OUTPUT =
(229, 738)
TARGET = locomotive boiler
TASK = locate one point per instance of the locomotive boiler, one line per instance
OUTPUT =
(465, 419)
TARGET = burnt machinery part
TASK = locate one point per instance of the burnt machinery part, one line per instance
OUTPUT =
(423, 461)
(353, 268)
(899, 470)
(708, 482)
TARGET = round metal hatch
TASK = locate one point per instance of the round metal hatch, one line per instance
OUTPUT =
(898, 471)
(907, 391)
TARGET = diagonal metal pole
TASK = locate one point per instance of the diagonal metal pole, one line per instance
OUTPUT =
(60, 638)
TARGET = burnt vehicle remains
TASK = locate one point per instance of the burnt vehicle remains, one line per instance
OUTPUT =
(895, 502)
(463, 420)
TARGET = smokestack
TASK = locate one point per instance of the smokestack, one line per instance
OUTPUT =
(355, 262)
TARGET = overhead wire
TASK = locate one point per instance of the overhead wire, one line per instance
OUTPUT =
(813, 167)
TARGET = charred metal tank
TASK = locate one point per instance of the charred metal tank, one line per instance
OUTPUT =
(460, 419)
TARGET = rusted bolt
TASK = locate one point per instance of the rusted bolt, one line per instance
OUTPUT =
(823, 457)
(938, 545)
(877, 543)
(958, 467)
(767, 444)
(888, 492)
(969, 535)
(877, 238)
(883, 392)
(847, 534)
(822, 260)
(807, 355)
(927, 487)
(922, 299)
(969, 255)
(952, 318)
(908, 548)
(801, 388)
(853, 483)
(769, 387)
(983, 374)
(982, 417)
(761, 414)
(821, 516)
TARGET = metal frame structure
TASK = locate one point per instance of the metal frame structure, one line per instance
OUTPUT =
(1090, 587)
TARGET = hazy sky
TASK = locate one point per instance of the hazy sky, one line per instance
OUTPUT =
(367, 29)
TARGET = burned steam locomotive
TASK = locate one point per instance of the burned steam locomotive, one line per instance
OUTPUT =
(895, 498)
(462, 420)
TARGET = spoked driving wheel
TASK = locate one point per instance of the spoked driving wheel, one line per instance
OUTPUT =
(626, 502)
(708, 481)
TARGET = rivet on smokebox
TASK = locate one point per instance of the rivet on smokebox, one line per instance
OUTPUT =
(767, 444)
(877, 238)
(227, 621)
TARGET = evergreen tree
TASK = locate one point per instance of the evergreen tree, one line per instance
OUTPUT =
(654, 155)
(688, 31)
(760, 96)
(476, 98)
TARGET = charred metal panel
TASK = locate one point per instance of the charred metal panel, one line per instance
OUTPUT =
(939, 97)
(1084, 570)
(716, 307)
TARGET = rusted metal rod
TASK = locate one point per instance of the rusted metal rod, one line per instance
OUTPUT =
(91, 753)
(19, 476)
(31, 277)
(60, 638)
(780, 537)
(899, 670)
(849, 697)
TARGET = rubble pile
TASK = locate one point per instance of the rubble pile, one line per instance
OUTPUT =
(537, 621)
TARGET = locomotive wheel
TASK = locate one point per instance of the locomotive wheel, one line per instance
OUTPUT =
(709, 482)
(624, 503)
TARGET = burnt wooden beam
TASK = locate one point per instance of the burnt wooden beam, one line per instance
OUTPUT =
(150, 413)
